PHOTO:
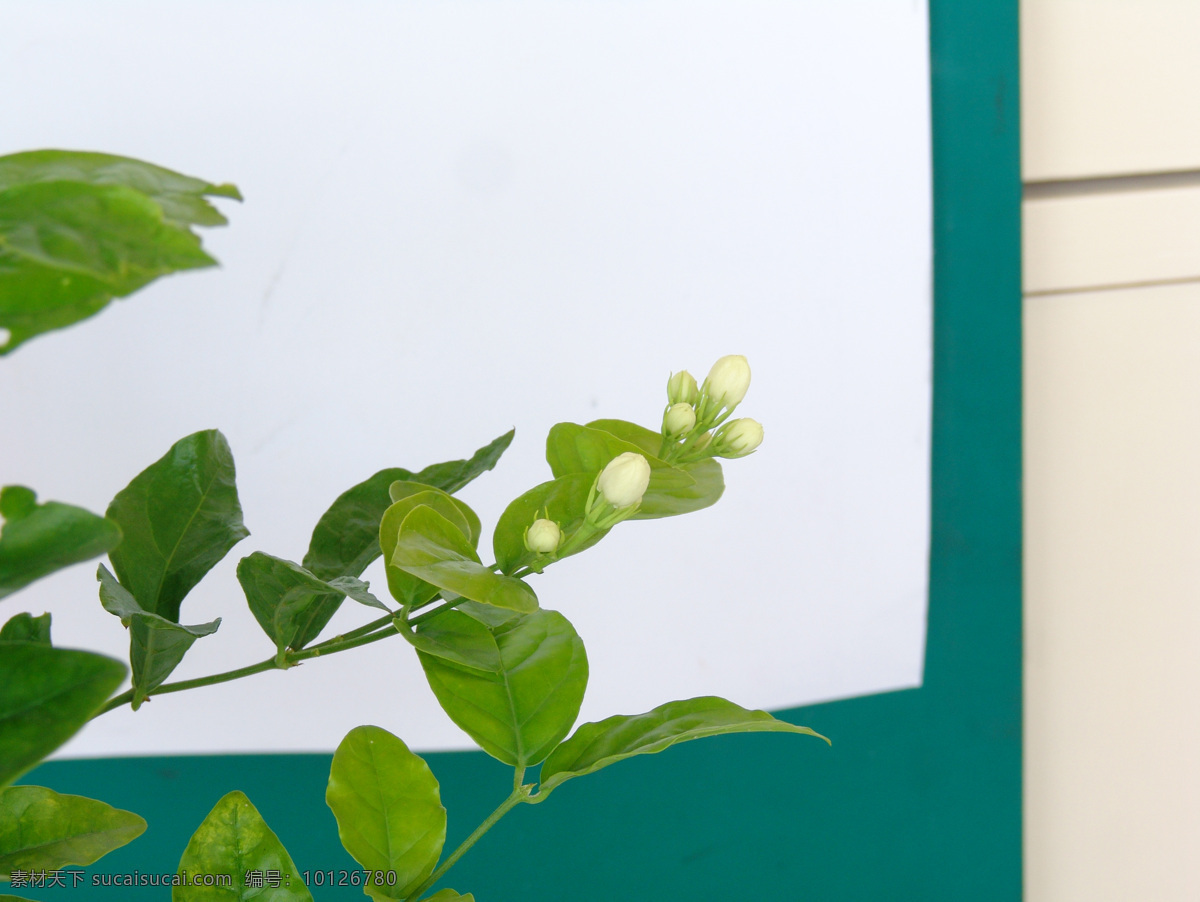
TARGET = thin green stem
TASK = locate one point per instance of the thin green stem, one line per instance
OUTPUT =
(355, 633)
(450, 605)
(126, 697)
(295, 657)
(333, 646)
(516, 798)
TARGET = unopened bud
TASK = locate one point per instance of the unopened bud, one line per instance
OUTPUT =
(728, 381)
(682, 388)
(679, 419)
(740, 438)
(624, 481)
(543, 537)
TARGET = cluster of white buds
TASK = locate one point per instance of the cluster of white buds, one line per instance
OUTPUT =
(694, 423)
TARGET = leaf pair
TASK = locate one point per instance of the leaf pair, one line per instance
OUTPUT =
(179, 516)
(293, 602)
(78, 229)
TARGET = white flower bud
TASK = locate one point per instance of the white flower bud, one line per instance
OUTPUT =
(680, 419)
(728, 381)
(740, 437)
(682, 388)
(624, 481)
(543, 536)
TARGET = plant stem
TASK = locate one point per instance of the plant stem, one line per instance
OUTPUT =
(125, 697)
(429, 614)
(355, 633)
(518, 796)
(332, 646)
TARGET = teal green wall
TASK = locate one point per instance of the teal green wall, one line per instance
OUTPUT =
(920, 796)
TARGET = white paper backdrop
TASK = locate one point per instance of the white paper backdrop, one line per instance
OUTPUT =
(462, 217)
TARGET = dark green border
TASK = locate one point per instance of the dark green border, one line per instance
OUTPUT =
(920, 797)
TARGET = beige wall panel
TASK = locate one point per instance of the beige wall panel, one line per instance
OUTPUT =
(1109, 87)
(1112, 628)
(1113, 238)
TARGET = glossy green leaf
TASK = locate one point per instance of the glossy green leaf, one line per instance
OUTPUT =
(668, 496)
(156, 645)
(453, 475)
(78, 229)
(406, 489)
(433, 549)
(522, 684)
(290, 603)
(6, 898)
(181, 197)
(596, 745)
(26, 628)
(388, 808)
(563, 500)
(234, 840)
(346, 538)
(42, 830)
(46, 695)
(180, 516)
(445, 895)
(406, 588)
(38, 539)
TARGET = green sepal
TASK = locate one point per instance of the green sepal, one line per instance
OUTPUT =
(156, 645)
(596, 745)
(235, 840)
(388, 808)
(46, 695)
(180, 516)
(431, 548)
(42, 830)
(514, 687)
(38, 539)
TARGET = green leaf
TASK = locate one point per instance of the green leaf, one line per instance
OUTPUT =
(406, 588)
(514, 688)
(346, 538)
(38, 539)
(6, 898)
(180, 516)
(156, 645)
(181, 197)
(78, 229)
(667, 497)
(563, 500)
(597, 745)
(234, 840)
(388, 808)
(43, 830)
(46, 695)
(445, 895)
(453, 475)
(27, 628)
(290, 603)
(433, 549)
